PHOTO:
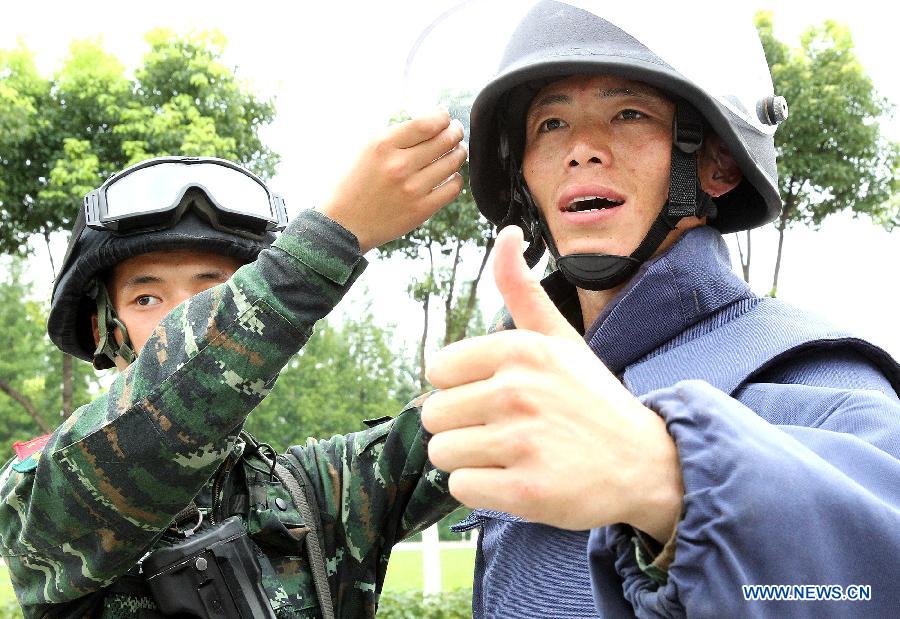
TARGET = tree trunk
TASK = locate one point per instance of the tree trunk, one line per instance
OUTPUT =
(67, 385)
(67, 373)
(50, 253)
(782, 224)
(23, 400)
(449, 324)
(473, 288)
(745, 261)
(423, 382)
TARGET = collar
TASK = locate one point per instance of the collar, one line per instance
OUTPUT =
(670, 292)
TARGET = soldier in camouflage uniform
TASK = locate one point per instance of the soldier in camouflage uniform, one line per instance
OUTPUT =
(136, 468)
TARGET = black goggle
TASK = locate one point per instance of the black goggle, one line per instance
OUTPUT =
(155, 193)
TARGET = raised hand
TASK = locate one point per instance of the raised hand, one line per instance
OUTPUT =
(530, 422)
(400, 179)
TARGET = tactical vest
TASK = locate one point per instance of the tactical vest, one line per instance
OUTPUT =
(727, 356)
(767, 335)
(130, 597)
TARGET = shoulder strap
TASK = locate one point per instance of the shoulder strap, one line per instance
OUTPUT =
(304, 501)
(728, 356)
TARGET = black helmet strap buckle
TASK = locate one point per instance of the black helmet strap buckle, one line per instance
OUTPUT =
(522, 209)
(107, 321)
(687, 139)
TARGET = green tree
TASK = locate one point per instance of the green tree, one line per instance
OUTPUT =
(832, 155)
(64, 135)
(30, 373)
(342, 376)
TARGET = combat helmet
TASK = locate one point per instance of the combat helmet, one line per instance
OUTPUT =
(165, 203)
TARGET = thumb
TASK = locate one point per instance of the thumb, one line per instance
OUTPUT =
(528, 304)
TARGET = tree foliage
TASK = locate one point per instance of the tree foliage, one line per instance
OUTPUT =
(30, 365)
(64, 135)
(455, 604)
(832, 155)
(342, 376)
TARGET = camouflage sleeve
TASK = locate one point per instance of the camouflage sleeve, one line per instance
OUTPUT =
(374, 488)
(115, 473)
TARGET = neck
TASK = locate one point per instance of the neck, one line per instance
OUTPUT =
(593, 301)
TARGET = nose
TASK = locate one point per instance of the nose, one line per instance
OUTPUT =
(179, 297)
(574, 163)
(590, 147)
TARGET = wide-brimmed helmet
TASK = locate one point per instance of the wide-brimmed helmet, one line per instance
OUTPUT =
(708, 55)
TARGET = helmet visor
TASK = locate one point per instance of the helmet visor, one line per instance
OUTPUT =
(155, 193)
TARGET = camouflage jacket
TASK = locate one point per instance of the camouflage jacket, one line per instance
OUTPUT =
(80, 513)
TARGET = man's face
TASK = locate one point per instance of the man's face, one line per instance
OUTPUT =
(596, 136)
(145, 288)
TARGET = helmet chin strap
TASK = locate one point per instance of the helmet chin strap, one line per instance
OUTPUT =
(686, 199)
(107, 321)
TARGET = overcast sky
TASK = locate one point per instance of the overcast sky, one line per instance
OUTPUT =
(336, 71)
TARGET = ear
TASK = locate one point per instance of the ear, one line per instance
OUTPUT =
(719, 173)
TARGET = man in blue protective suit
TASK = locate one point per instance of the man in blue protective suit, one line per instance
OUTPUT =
(685, 439)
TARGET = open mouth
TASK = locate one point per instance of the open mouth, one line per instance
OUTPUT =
(587, 204)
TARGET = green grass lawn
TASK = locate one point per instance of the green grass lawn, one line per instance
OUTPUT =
(8, 607)
(404, 574)
(6, 589)
(405, 569)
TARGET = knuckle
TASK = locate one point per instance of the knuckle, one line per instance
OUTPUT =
(528, 491)
(395, 170)
(450, 137)
(430, 415)
(428, 125)
(437, 452)
(409, 188)
(381, 147)
(506, 389)
(526, 349)
(458, 486)
(512, 395)
(521, 445)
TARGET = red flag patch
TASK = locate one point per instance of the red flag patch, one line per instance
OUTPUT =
(26, 448)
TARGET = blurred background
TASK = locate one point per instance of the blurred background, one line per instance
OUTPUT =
(87, 88)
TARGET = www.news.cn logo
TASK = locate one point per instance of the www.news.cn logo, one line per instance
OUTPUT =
(807, 593)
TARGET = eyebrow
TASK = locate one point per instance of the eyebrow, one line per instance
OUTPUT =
(140, 280)
(629, 91)
(604, 93)
(546, 101)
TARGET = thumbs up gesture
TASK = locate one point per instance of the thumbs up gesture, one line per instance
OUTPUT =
(531, 422)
